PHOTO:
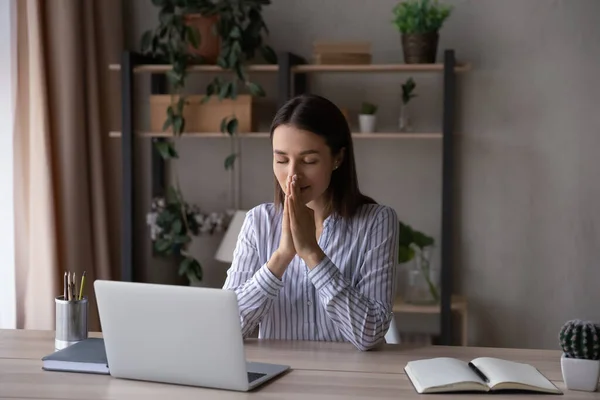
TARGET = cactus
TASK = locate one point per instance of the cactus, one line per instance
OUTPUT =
(580, 339)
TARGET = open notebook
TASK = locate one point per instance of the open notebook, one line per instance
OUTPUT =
(484, 374)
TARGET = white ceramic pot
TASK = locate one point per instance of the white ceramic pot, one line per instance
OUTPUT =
(367, 122)
(580, 374)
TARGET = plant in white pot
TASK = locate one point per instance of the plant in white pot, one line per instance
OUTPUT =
(367, 118)
(580, 361)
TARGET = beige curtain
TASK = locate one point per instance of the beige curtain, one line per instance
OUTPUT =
(66, 182)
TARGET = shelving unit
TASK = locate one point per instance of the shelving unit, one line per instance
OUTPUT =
(292, 74)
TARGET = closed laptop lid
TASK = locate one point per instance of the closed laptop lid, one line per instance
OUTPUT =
(174, 334)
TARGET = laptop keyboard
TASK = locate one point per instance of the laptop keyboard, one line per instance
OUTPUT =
(252, 376)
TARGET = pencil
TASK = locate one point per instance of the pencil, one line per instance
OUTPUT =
(81, 286)
(69, 288)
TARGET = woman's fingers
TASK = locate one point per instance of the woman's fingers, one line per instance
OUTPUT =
(295, 187)
(291, 210)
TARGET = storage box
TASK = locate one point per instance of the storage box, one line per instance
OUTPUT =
(341, 52)
(203, 117)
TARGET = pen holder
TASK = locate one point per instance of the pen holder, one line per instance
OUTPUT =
(71, 321)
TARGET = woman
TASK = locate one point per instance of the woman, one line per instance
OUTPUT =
(320, 262)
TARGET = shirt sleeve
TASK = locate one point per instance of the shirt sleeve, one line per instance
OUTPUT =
(254, 284)
(363, 312)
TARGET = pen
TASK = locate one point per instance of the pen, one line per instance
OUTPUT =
(65, 285)
(74, 287)
(479, 373)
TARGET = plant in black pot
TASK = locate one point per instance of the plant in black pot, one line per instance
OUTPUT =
(419, 23)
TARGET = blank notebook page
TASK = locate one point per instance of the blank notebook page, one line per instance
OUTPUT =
(441, 371)
(509, 371)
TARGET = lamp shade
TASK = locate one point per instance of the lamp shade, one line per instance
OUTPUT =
(227, 246)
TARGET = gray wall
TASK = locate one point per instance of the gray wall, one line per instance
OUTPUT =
(527, 235)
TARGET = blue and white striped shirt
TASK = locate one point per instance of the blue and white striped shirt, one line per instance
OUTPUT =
(347, 297)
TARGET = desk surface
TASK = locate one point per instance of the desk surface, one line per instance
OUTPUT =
(319, 370)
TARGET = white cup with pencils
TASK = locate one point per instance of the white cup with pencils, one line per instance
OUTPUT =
(71, 312)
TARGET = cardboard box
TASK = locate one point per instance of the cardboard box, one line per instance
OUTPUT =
(204, 117)
(341, 52)
(341, 58)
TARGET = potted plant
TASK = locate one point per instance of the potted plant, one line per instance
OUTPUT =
(580, 361)
(367, 118)
(172, 224)
(408, 88)
(177, 40)
(414, 244)
(180, 40)
(419, 22)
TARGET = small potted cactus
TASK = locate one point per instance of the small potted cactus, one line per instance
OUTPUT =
(580, 361)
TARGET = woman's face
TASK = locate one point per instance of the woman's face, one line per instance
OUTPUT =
(306, 155)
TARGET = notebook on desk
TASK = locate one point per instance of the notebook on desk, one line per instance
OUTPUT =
(484, 374)
(88, 356)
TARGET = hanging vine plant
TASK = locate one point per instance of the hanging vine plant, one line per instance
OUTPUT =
(240, 27)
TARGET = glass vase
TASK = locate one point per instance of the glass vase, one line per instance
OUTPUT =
(422, 281)
(404, 120)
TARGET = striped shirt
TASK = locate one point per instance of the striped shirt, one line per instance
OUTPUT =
(347, 297)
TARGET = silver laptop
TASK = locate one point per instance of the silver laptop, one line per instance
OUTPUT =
(177, 334)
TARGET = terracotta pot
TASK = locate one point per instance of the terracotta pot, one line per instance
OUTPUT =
(420, 48)
(210, 43)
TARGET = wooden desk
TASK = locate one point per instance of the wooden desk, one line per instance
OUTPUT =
(319, 370)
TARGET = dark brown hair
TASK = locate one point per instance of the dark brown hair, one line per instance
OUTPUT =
(320, 116)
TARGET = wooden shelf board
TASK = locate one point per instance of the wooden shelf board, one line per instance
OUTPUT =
(195, 68)
(396, 135)
(459, 303)
(307, 68)
(378, 68)
(376, 135)
(116, 134)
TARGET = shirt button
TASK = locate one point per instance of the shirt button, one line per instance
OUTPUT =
(309, 303)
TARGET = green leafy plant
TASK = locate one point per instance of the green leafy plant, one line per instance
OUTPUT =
(408, 88)
(580, 339)
(420, 16)
(172, 224)
(240, 28)
(413, 243)
(368, 108)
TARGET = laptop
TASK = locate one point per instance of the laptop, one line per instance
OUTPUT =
(177, 334)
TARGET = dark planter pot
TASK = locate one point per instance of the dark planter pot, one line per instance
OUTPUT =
(420, 48)
(210, 44)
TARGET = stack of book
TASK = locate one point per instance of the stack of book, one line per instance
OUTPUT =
(341, 52)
